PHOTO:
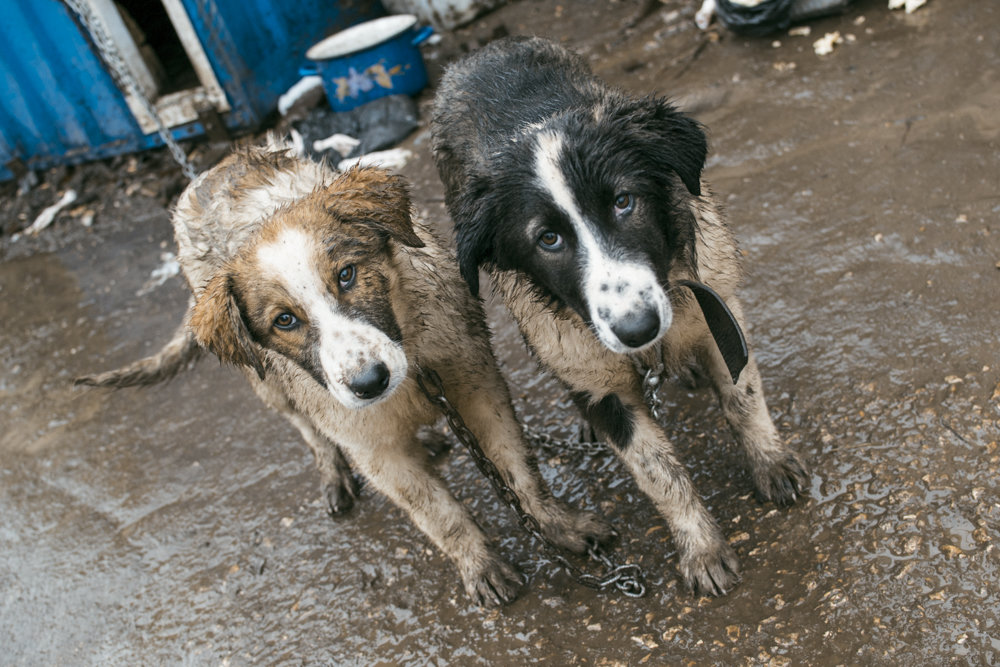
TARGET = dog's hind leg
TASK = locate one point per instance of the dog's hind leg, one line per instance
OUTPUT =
(339, 485)
(779, 473)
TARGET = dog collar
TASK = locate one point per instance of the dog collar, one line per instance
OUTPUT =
(723, 325)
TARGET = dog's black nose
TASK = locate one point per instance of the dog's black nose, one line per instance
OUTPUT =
(637, 329)
(371, 382)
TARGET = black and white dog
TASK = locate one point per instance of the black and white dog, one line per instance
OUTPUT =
(586, 207)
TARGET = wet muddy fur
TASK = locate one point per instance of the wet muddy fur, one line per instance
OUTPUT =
(585, 205)
(330, 298)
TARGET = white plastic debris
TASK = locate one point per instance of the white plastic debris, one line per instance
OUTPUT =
(305, 86)
(825, 44)
(394, 158)
(46, 217)
(703, 18)
(168, 269)
(909, 5)
(298, 143)
(341, 143)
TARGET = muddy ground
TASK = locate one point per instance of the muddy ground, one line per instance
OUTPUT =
(183, 523)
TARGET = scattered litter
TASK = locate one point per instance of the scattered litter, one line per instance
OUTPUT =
(784, 67)
(825, 44)
(394, 158)
(341, 143)
(304, 95)
(800, 31)
(86, 215)
(703, 18)
(46, 217)
(298, 144)
(377, 125)
(168, 269)
(909, 5)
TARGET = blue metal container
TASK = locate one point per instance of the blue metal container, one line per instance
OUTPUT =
(370, 60)
(59, 104)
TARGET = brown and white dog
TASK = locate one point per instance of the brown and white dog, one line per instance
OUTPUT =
(330, 298)
(586, 207)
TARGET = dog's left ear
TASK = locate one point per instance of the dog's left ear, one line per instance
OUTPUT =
(217, 324)
(674, 138)
(376, 198)
(474, 210)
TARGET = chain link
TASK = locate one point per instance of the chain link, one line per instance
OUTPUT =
(628, 578)
(545, 442)
(652, 380)
(126, 81)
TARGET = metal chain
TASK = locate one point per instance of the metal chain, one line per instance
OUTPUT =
(652, 380)
(628, 578)
(123, 77)
(544, 441)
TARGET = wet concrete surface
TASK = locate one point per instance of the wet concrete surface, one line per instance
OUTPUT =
(183, 523)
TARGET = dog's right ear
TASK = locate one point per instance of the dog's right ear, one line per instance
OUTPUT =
(475, 231)
(376, 198)
(217, 324)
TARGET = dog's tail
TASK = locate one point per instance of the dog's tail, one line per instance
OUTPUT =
(165, 364)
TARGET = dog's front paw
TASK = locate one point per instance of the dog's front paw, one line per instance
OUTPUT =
(712, 572)
(783, 482)
(578, 530)
(340, 493)
(492, 584)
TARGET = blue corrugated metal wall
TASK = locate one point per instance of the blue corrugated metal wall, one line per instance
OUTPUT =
(58, 104)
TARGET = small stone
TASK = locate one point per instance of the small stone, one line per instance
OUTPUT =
(951, 551)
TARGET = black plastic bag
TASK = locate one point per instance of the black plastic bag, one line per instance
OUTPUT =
(764, 18)
(381, 123)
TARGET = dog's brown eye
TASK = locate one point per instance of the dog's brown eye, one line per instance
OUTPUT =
(347, 276)
(286, 321)
(624, 203)
(550, 240)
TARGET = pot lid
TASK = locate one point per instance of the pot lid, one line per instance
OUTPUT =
(361, 36)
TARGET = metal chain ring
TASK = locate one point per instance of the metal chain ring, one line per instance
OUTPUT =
(123, 77)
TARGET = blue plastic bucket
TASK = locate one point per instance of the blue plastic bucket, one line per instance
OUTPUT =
(370, 60)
